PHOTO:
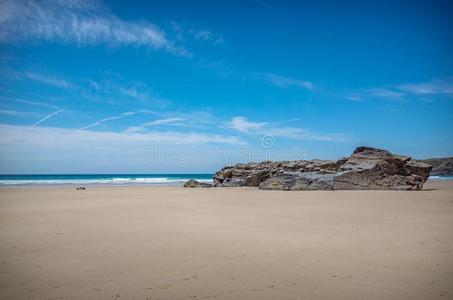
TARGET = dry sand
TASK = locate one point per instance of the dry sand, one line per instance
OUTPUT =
(229, 243)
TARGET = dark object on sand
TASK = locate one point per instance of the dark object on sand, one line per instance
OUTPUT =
(80, 188)
(192, 183)
(366, 169)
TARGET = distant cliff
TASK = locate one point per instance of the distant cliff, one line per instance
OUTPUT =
(441, 166)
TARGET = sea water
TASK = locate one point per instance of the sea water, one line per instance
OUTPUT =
(441, 177)
(115, 179)
(101, 179)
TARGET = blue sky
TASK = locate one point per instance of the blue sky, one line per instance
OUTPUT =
(188, 86)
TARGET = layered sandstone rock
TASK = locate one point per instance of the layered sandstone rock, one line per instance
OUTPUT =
(366, 169)
(192, 183)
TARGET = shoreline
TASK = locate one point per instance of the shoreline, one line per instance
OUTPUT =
(149, 185)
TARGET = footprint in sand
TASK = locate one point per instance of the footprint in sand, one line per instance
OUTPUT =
(165, 287)
(191, 277)
(271, 286)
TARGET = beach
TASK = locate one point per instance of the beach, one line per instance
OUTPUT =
(135, 242)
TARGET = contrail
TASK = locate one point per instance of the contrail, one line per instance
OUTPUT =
(125, 114)
(48, 116)
(100, 122)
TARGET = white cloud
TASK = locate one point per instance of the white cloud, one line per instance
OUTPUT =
(206, 35)
(26, 149)
(15, 113)
(434, 87)
(176, 121)
(25, 101)
(285, 82)
(354, 98)
(385, 93)
(114, 90)
(77, 22)
(183, 34)
(67, 137)
(130, 92)
(49, 80)
(241, 124)
(139, 91)
(134, 129)
(48, 116)
(167, 121)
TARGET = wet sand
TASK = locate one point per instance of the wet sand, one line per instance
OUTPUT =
(229, 243)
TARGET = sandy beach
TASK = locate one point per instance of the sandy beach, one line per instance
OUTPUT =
(225, 243)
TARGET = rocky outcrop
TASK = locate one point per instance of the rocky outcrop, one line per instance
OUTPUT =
(441, 166)
(192, 183)
(366, 169)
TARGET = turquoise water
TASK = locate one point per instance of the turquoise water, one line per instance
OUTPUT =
(115, 179)
(441, 177)
(101, 179)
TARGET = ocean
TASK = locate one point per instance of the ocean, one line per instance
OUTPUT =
(115, 179)
(101, 179)
(441, 177)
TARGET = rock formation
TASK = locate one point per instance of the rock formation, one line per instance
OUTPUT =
(192, 183)
(366, 169)
(441, 166)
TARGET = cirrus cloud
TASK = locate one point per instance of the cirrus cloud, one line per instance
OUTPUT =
(243, 125)
(77, 22)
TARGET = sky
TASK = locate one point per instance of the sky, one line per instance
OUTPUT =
(191, 86)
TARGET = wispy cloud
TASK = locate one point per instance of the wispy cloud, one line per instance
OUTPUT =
(58, 150)
(139, 91)
(15, 113)
(354, 98)
(183, 34)
(29, 102)
(263, 3)
(285, 82)
(97, 123)
(385, 93)
(243, 125)
(436, 87)
(48, 117)
(77, 22)
(175, 121)
(53, 135)
(113, 90)
(206, 35)
(49, 80)
(167, 121)
(131, 92)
